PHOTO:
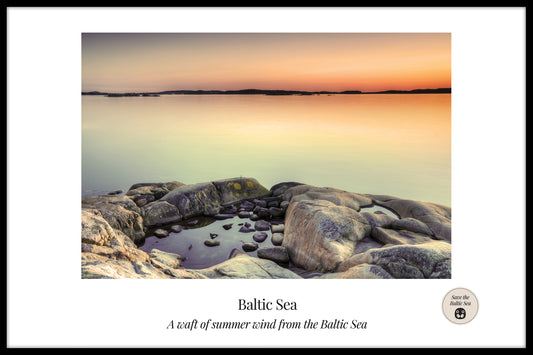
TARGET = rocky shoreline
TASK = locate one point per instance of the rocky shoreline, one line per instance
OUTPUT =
(323, 231)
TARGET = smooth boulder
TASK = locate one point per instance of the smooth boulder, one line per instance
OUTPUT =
(277, 254)
(320, 234)
(437, 218)
(337, 197)
(242, 266)
(205, 198)
(424, 260)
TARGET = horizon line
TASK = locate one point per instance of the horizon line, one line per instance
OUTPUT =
(266, 90)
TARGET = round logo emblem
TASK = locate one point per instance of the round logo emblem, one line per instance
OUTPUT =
(460, 305)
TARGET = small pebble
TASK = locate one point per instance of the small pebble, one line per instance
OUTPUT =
(260, 236)
(176, 228)
(277, 238)
(211, 242)
(249, 246)
(160, 233)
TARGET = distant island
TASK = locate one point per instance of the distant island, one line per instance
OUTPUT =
(267, 92)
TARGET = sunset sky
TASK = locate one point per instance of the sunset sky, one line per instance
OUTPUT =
(137, 62)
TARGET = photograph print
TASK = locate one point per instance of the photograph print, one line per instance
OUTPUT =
(266, 155)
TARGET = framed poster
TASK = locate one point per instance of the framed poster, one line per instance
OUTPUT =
(265, 177)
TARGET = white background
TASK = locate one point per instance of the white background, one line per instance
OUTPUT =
(50, 306)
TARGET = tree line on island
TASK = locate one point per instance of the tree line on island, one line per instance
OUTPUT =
(267, 92)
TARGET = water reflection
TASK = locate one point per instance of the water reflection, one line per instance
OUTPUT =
(396, 145)
(189, 243)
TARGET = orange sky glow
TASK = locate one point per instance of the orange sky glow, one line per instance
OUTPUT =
(143, 62)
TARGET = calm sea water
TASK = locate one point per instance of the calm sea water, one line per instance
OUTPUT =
(396, 145)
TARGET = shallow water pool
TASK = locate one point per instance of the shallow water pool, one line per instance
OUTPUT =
(189, 243)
